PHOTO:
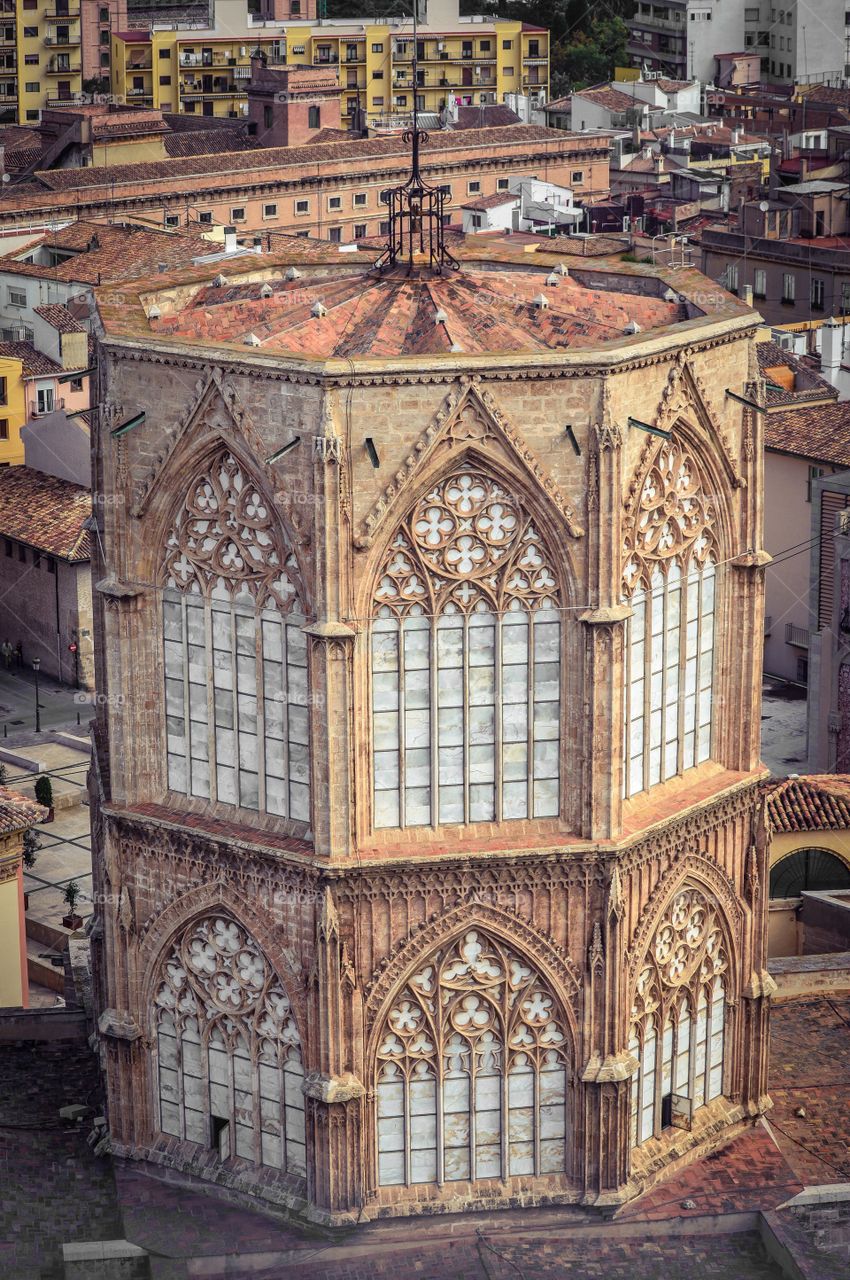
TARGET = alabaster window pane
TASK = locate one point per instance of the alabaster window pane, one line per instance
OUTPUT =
(545, 760)
(174, 704)
(417, 806)
(385, 726)
(450, 764)
(391, 1168)
(521, 1158)
(169, 1120)
(449, 645)
(197, 1128)
(552, 1156)
(667, 1060)
(390, 1134)
(385, 691)
(515, 800)
(450, 726)
(168, 1085)
(198, 703)
(482, 685)
(386, 770)
(297, 678)
(271, 1152)
(384, 647)
(482, 803)
(386, 809)
(546, 798)
(634, 1050)
(249, 790)
(423, 1106)
(451, 804)
(482, 762)
(515, 761)
(225, 746)
(299, 801)
(546, 682)
(456, 1164)
(648, 1082)
(683, 1056)
(417, 767)
(456, 1094)
(275, 764)
(514, 640)
(244, 1142)
(167, 1049)
(482, 724)
(552, 1085)
(515, 722)
(482, 642)
(299, 727)
(546, 721)
(515, 684)
(417, 728)
(177, 773)
(269, 1082)
(391, 1098)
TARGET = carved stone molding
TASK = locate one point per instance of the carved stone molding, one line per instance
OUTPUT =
(325, 1088)
(118, 1025)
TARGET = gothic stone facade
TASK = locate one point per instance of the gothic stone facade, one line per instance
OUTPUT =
(424, 792)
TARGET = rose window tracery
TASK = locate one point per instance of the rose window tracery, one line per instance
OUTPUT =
(678, 1012)
(475, 1026)
(235, 656)
(229, 1057)
(466, 620)
(669, 579)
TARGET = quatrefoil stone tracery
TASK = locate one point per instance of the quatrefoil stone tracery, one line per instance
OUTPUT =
(466, 543)
(687, 947)
(226, 542)
(674, 515)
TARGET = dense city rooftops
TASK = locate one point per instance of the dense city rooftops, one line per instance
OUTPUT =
(45, 512)
(311, 302)
(818, 802)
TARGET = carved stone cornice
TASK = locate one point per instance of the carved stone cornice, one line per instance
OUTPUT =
(326, 1088)
(616, 1067)
(607, 616)
(119, 1025)
(118, 594)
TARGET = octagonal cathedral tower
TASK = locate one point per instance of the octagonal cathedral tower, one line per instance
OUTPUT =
(429, 618)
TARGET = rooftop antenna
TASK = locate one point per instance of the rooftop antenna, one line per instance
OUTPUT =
(416, 208)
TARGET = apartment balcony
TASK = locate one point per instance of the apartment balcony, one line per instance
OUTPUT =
(9, 69)
(535, 62)
(215, 95)
(54, 15)
(643, 21)
(143, 96)
(55, 68)
(798, 636)
(63, 42)
(138, 66)
(329, 60)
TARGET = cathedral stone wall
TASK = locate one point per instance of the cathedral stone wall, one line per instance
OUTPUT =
(451, 944)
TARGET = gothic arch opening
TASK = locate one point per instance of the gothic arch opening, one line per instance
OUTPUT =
(810, 869)
(466, 660)
(235, 654)
(472, 1070)
(678, 1015)
(228, 1052)
(671, 552)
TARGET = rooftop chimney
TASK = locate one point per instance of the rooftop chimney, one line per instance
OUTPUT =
(831, 349)
(231, 244)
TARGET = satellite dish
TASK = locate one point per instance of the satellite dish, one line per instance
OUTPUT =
(764, 205)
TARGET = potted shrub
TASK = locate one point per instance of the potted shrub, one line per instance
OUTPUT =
(70, 896)
(44, 795)
(32, 844)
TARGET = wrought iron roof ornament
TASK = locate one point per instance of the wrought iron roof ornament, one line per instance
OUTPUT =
(416, 209)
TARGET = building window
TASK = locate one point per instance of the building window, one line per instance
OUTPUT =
(473, 188)
(166, 53)
(577, 177)
(789, 287)
(335, 235)
(33, 86)
(17, 297)
(377, 48)
(732, 278)
(4, 428)
(44, 399)
(4, 391)
(503, 184)
(384, 229)
(205, 216)
(269, 210)
(360, 231)
(669, 660)
(76, 384)
(104, 15)
(814, 474)
(817, 295)
(172, 219)
(30, 33)
(466, 663)
(229, 1067)
(472, 1082)
(759, 283)
(678, 1016)
(507, 44)
(359, 199)
(31, 59)
(51, 564)
(235, 656)
(302, 206)
(312, 117)
(334, 202)
(33, 114)
(509, 71)
(268, 117)
(165, 80)
(237, 214)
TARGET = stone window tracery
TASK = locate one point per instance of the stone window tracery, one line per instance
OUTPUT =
(678, 1014)
(235, 655)
(472, 1070)
(228, 1050)
(669, 581)
(466, 642)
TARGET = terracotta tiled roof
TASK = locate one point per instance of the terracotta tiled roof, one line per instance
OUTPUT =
(279, 157)
(673, 86)
(815, 802)
(45, 512)
(820, 432)
(203, 142)
(59, 317)
(17, 812)
(490, 115)
(330, 135)
(107, 253)
(614, 99)
(485, 310)
(35, 364)
(807, 386)
(491, 202)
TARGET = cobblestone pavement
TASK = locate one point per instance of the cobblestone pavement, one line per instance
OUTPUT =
(810, 1072)
(52, 1188)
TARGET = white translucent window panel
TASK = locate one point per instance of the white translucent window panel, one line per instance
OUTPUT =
(647, 1090)
(456, 1128)
(716, 1042)
(423, 1124)
(683, 1054)
(521, 1117)
(488, 1125)
(667, 1060)
(700, 1051)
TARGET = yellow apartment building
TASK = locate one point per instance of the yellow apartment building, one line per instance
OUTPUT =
(205, 72)
(13, 411)
(46, 65)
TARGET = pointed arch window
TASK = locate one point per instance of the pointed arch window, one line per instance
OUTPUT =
(472, 1071)
(678, 1017)
(235, 654)
(466, 663)
(669, 581)
(229, 1069)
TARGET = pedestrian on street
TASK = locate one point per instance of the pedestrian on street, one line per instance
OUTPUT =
(6, 650)
(19, 654)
